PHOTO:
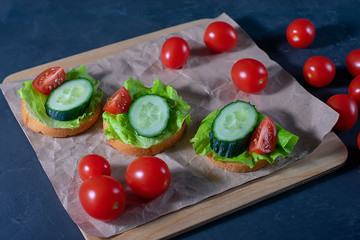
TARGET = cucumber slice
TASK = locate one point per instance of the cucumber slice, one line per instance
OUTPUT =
(69, 100)
(232, 129)
(149, 115)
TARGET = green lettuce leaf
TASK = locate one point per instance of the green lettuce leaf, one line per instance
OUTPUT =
(119, 127)
(36, 101)
(284, 145)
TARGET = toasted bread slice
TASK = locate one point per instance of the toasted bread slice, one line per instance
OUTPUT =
(237, 167)
(154, 149)
(35, 125)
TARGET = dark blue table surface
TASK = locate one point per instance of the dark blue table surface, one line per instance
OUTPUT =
(39, 31)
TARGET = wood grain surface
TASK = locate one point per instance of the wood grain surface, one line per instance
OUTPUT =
(330, 155)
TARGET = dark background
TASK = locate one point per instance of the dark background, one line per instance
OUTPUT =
(36, 32)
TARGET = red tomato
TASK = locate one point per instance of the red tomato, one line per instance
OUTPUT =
(264, 138)
(353, 62)
(93, 165)
(148, 176)
(119, 102)
(354, 90)
(347, 109)
(49, 79)
(358, 140)
(300, 33)
(319, 71)
(102, 197)
(220, 36)
(249, 75)
(174, 52)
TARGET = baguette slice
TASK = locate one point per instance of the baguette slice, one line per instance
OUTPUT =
(140, 152)
(35, 125)
(236, 167)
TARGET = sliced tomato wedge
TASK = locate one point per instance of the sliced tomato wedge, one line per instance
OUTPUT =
(264, 138)
(119, 102)
(49, 79)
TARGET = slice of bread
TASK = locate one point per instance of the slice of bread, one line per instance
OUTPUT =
(35, 125)
(237, 167)
(140, 152)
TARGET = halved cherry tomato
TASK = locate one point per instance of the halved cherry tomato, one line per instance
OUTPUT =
(347, 109)
(353, 62)
(102, 197)
(354, 90)
(300, 33)
(174, 52)
(49, 79)
(264, 138)
(249, 75)
(220, 36)
(93, 165)
(148, 176)
(119, 102)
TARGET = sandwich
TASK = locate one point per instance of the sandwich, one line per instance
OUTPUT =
(240, 139)
(142, 121)
(60, 104)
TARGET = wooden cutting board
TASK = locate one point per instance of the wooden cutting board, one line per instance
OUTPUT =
(330, 155)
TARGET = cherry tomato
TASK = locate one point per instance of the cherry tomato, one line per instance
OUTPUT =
(49, 79)
(102, 197)
(319, 71)
(148, 176)
(352, 62)
(354, 90)
(300, 33)
(358, 140)
(249, 75)
(264, 138)
(93, 165)
(174, 52)
(347, 109)
(220, 36)
(119, 102)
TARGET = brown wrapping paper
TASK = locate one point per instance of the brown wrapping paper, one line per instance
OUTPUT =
(205, 83)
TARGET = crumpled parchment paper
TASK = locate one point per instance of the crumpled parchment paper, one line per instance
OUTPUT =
(205, 83)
